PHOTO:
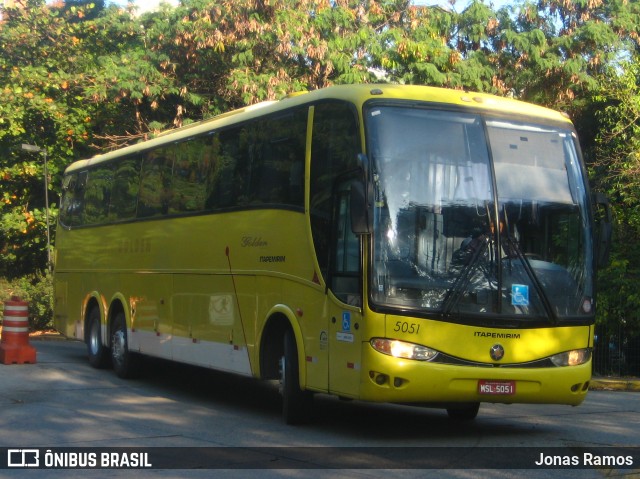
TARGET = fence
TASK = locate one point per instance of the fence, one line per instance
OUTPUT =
(616, 351)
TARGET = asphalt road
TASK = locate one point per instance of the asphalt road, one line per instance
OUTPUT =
(61, 402)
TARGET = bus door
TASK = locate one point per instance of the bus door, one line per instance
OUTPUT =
(345, 299)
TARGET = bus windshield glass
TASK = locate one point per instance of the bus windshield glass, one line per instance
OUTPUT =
(477, 217)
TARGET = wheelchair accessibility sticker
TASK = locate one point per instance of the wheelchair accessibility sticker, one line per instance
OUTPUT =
(345, 335)
(346, 321)
(519, 295)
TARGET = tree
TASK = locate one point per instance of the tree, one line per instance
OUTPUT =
(82, 78)
(234, 53)
(615, 169)
(551, 52)
(69, 78)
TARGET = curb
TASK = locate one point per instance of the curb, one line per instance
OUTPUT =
(47, 337)
(600, 384)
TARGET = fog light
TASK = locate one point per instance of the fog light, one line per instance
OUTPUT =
(398, 382)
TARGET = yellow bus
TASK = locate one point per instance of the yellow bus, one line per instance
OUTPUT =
(400, 244)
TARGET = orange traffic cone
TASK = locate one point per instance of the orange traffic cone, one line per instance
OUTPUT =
(14, 346)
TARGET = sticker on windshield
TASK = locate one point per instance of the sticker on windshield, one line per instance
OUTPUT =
(519, 295)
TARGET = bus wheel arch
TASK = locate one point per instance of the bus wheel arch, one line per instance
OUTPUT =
(280, 359)
(272, 346)
(126, 364)
(97, 351)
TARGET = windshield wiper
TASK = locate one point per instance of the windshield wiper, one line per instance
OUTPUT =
(463, 280)
(453, 296)
(513, 246)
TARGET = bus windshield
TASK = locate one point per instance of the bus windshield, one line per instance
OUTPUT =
(477, 217)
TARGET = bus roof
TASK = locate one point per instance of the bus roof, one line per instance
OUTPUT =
(358, 94)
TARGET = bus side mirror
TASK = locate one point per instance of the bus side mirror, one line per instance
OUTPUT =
(604, 222)
(360, 211)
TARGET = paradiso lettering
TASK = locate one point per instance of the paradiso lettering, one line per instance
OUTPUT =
(132, 246)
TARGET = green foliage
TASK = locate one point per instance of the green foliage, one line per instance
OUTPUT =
(82, 78)
(37, 291)
(619, 299)
(23, 240)
(615, 169)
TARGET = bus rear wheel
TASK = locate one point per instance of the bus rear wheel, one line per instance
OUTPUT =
(297, 405)
(125, 363)
(467, 412)
(98, 353)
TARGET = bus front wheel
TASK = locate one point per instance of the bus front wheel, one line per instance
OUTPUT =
(98, 353)
(297, 404)
(125, 363)
(467, 412)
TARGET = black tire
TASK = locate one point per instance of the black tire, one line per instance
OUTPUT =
(125, 363)
(99, 354)
(297, 405)
(467, 412)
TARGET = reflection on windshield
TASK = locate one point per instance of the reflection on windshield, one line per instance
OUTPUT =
(466, 227)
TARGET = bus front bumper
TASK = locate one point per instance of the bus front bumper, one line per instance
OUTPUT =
(389, 379)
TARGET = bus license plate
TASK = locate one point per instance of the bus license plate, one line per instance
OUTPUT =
(499, 388)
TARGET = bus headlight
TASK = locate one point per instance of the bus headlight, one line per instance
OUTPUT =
(572, 358)
(401, 349)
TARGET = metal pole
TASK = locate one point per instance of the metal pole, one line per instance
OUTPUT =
(37, 149)
(46, 211)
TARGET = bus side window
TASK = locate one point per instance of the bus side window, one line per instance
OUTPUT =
(155, 183)
(189, 174)
(73, 199)
(215, 171)
(124, 193)
(256, 163)
(97, 195)
(345, 277)
(221, 185)
(277, 170)
(334, 151)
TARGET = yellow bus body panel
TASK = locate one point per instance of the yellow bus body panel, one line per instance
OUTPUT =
(472, 343)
